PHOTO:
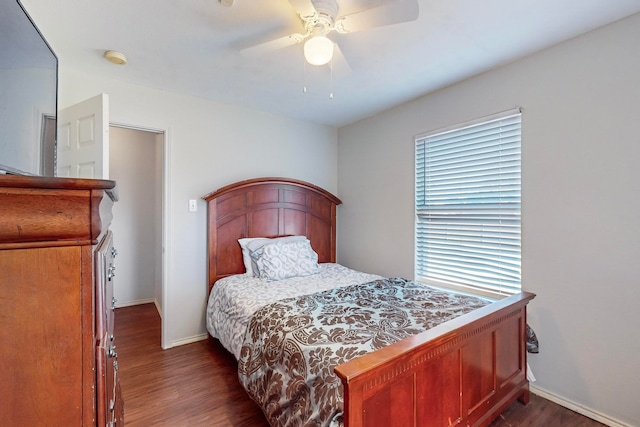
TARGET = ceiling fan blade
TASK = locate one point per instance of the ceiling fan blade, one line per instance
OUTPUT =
(339, 63)
(388, 13)
(273, 45)
(305, 8)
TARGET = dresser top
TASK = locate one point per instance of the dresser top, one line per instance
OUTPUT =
(42, 211)
(25, 181)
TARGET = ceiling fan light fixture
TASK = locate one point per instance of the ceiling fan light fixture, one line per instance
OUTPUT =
(318, 50)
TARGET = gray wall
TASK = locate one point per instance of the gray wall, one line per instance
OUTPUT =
(580, 215)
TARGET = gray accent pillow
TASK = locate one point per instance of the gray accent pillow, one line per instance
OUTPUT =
(250, 244)
(282, 260)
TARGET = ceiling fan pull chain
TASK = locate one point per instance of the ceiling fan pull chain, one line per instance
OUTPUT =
(331, 79)
(304, 75)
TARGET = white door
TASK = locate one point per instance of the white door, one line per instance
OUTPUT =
(83, 139)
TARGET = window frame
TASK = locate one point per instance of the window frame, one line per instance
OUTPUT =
(514, 251)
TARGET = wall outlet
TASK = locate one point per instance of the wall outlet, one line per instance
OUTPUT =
(193, 205)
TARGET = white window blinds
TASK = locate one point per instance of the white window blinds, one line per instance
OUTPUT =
(468, 205)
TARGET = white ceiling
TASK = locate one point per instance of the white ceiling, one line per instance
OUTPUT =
(192, 47)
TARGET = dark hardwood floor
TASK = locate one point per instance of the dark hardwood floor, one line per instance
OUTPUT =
(197, 384)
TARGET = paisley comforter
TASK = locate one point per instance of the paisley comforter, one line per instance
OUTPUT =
(291, 346)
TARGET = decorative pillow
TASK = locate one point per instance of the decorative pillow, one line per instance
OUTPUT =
(281, 260)
(249, 244)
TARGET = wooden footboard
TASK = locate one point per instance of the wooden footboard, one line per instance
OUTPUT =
(462, 372)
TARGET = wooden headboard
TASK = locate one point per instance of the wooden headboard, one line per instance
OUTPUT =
(267, 207)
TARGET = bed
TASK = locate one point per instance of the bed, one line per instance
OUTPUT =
(464, 371)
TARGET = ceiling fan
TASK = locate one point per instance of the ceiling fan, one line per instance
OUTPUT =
(321, 17)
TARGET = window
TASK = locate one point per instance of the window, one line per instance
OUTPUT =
(468, 206)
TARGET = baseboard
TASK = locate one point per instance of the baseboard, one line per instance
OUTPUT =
(576, 407)
(155, 302)
(189, 340)
(137, 302)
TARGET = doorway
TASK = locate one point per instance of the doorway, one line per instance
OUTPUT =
(136, 163)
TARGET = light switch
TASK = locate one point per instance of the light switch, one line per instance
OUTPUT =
(193, 205)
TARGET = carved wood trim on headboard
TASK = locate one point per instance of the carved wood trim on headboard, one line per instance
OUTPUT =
(267, 207)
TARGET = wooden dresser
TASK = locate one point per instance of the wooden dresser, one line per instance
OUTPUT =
(58, 360)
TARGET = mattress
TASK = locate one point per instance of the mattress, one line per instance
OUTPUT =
(234, 299)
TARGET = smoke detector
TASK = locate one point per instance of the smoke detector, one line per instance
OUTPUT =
(115, 57)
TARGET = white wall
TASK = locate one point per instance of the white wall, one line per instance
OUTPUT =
(137, 217)
(580, 214)
(209, 145)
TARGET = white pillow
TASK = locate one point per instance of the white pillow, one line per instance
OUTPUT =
(249, 244)
(284, 259)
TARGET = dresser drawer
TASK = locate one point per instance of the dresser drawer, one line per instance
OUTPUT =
(109, 401)
(109, 407)
(105, 273)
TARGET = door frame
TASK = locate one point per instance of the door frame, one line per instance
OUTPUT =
(165, 220)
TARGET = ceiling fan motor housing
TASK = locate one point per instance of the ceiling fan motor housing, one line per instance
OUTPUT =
(322, 21)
